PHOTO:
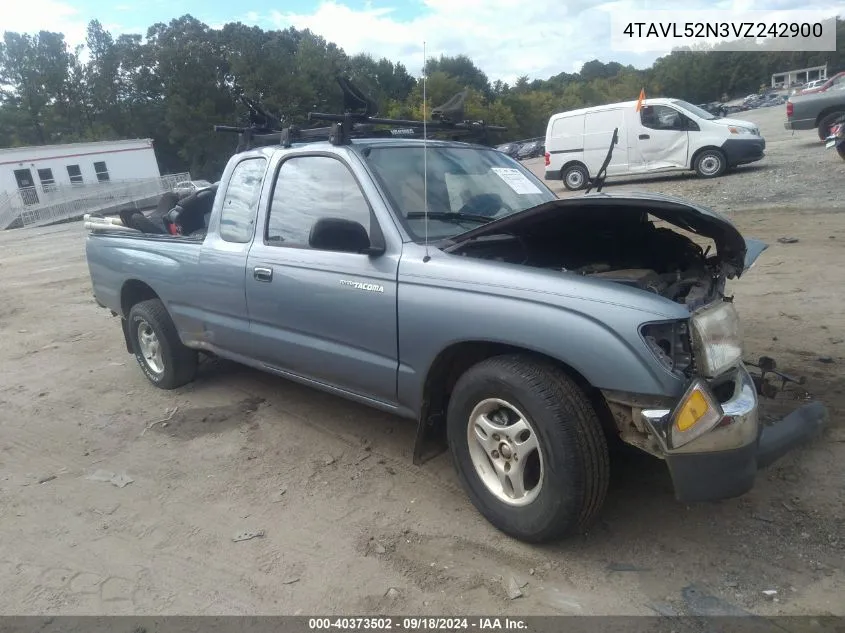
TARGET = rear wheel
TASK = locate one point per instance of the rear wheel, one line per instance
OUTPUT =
(165, 361)
(710, 163)
(841, 151)
(575, 177)
(528, 448)
(826, 122)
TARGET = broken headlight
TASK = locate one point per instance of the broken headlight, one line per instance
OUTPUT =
(669, 341)
(716, 339)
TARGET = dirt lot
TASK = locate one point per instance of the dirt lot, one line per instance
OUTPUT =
(345, 515)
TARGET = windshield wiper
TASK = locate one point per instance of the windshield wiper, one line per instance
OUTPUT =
(598, 181)
(449, 217)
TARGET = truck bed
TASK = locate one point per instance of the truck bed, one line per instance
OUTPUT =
(119, 255)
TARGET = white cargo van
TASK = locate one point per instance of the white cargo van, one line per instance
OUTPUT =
(665, 135)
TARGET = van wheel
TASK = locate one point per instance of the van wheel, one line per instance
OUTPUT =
(165, 361)
(826, 123)
(528, 447)
(710, 163)
(575, 177)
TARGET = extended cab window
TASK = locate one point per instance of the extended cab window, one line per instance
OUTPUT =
(661, 117)
(241, 202)
(309, 188)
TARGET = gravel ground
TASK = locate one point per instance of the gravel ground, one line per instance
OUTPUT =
(349, 525)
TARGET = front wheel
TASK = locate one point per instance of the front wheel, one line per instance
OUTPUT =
(163, 358)
(710, 163)
(528, 447)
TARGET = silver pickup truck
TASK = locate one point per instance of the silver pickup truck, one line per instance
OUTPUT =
(817, 110)
(443, 282)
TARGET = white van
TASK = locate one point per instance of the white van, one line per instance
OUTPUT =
(665, 135)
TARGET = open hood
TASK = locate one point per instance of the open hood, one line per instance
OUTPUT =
(736, 253)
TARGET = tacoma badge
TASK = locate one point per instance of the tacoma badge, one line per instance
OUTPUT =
(362, 286)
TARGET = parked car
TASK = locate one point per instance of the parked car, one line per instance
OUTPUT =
(511, 149)
(529, 330)
(531, 149)
(816, 110)
(666, 134)
(186, 187)
(836, 82)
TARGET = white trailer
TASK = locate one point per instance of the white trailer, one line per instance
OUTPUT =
(33, 172)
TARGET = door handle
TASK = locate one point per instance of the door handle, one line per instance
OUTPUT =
(644, 137)
(263, 274)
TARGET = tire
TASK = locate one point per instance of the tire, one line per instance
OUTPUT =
(826, 122)
(841, 151)
(575, 177)
(150, 329)
(564, 480)
(710, 163)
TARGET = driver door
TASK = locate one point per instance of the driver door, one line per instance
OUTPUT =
(662, 140)
(324, 315)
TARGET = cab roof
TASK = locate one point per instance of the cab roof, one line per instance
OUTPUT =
(359, 144)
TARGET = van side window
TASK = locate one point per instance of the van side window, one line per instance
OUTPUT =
(660, 117)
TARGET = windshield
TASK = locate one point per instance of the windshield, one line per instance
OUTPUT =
(476, 184)
(701, 114)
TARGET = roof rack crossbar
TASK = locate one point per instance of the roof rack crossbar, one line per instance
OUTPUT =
(340, 133)
(266, 129)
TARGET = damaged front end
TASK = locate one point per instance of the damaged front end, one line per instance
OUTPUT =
(714, 442)
(709, 431)
(712, 437)
(662, 245)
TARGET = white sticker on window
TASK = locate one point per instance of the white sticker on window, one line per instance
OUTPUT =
(516, 180)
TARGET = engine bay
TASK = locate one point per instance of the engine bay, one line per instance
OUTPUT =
(625, 249)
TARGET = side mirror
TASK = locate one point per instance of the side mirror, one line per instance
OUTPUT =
(342, 235)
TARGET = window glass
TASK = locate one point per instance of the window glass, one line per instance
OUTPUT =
(75, 174)
(240, 204)
(101, 170)
(309, 188)
(46, 178)
(661, 117)
(465, 187)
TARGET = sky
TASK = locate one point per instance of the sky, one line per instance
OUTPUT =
(505, 38)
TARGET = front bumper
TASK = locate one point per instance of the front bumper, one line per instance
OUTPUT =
(723, 463)
(741, 151)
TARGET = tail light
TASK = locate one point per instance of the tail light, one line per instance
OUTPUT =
(789, 108)
(548, 159)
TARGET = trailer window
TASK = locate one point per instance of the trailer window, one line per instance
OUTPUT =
(102, 171)
(46, 178)
(75, 174)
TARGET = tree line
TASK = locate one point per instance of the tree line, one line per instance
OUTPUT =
(180, 79)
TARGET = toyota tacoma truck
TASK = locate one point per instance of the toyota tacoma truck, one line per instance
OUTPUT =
(442, 281)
